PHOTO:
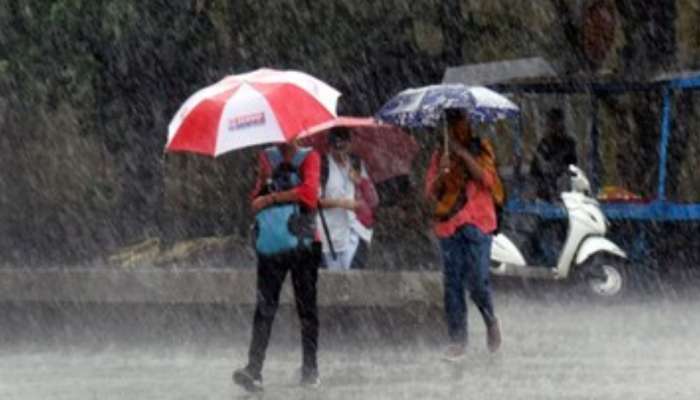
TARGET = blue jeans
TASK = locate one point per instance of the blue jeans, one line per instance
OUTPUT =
(466, 256)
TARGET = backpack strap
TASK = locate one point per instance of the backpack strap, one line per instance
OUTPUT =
(274, 157)
(356, 162)
(300, 156)
(324, 173)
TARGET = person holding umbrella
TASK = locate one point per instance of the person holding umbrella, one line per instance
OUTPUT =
(463, 184)
(287, 174)
(460, 181)
(258, 108)
(348, 197)
(360, 153)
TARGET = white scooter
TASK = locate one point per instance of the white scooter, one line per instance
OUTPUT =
(586, 254)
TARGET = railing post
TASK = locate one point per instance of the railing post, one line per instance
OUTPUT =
(663, 146)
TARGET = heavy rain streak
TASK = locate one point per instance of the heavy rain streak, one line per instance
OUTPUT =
(349, 199)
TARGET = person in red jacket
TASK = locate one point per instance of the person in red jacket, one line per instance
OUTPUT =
(460, 183)
(303, 261)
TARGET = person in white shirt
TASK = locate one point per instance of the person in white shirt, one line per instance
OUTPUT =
(346, 190)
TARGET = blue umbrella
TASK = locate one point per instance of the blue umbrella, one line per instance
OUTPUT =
(423, 107)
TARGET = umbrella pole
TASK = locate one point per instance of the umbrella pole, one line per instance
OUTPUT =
(326, 232)
(446, 141)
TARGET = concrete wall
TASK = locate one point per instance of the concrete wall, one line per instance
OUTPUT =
(210, 286)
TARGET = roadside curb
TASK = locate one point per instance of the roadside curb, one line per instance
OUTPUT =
(210, 286)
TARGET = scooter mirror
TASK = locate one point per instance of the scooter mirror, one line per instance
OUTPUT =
(579, 182)
(574, 170)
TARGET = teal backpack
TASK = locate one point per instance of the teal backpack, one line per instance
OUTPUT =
(284, 227)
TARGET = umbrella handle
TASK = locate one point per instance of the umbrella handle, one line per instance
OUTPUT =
(446, 142)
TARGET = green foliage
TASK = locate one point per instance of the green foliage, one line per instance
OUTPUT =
(117, 70)
(4, 69)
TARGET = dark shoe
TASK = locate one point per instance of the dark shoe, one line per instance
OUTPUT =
(493, 335)
(455, 352)
(247, 380)
(310, 380)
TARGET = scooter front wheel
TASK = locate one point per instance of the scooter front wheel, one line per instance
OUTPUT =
(604, 278)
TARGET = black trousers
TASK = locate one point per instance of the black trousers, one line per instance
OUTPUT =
(272, 271)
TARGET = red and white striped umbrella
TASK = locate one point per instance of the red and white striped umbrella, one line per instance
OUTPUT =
(259, 107)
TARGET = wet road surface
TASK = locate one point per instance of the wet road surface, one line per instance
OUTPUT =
(644, 348)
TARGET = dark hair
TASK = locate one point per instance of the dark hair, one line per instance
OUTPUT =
(338, 134)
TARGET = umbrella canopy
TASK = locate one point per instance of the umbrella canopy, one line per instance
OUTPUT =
(387, 150)
(423, 107)
(259, 107)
